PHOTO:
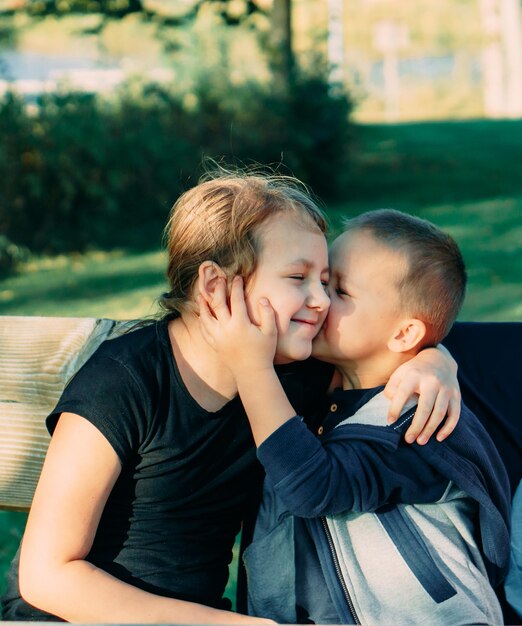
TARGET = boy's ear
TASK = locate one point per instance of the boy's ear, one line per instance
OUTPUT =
(407, 336)
(208, 274)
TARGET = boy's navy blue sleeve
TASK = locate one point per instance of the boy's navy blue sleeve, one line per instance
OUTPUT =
(340, 472)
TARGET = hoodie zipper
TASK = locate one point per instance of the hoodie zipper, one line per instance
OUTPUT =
(338, 572)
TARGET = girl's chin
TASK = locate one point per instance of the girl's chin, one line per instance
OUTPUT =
(289, 356)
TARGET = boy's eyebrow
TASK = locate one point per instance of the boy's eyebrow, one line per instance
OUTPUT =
(341, 278)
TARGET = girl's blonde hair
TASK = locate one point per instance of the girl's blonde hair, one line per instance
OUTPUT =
(219, 220)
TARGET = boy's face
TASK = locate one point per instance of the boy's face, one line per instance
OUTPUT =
(365, 305)
(292, 273)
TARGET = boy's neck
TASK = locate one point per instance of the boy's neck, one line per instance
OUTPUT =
(372, 372)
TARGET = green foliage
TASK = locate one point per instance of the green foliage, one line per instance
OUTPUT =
(305, 128)
(73, 168)
(12, 526)
(84, 172)
(10, 256)
(113, 8)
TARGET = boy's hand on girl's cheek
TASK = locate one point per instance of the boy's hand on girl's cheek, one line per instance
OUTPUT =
(432, 376)
(227, 327)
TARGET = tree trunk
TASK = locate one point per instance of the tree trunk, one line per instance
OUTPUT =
(281, 51)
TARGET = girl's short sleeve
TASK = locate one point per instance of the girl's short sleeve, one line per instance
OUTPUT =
(109, 395)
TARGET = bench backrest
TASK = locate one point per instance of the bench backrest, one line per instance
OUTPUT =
(38, 355)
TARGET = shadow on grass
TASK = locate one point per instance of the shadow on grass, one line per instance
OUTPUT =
(117, 284)
(435, 162)
(76, 287)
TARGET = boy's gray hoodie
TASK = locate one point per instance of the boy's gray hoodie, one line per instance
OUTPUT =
(388, 554)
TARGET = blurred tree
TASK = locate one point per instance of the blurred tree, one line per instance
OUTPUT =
(178, 12)
(281, 50)
(113, 8)
(278, 43)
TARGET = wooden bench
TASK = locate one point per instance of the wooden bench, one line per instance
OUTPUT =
(38, 355)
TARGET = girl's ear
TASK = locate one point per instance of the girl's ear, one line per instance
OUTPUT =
(407, 336)
(208, 275)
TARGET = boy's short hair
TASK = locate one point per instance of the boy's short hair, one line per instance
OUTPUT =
(434, 286)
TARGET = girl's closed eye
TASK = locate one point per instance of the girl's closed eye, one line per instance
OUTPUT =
(297, 276)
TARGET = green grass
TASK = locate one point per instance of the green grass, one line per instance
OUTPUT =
(12, 525)
(430, 163)
(100, 284)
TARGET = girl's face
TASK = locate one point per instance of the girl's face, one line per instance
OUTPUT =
(292, 273)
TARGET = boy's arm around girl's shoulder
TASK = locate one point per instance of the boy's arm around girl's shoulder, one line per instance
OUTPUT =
(352, 468)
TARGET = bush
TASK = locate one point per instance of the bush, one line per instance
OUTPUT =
(306, 129)
(10, 256)
(84, 172)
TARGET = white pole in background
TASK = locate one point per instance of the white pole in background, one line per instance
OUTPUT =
(492, 59)
(388, 38)
(336, 42)
(511, 24)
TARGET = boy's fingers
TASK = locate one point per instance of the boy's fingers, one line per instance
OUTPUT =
(267, 317)
(218, 302)
(391, 387)
(398, 400)
(425, 408)
(414, 430)
(451, 419)
(438, 413)
(237, 297)
(203, 307)
(425, 405)
(205, 317)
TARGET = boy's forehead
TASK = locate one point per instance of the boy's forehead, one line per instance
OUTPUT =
(367, 249)
(345, 243)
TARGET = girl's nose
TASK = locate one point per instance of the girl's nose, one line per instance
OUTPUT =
(319, 298)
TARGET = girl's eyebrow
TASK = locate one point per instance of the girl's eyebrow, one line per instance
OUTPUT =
(307, 263)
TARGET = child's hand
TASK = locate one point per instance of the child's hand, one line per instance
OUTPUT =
(243, 346)
(432, 374)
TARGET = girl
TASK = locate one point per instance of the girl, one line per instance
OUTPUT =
(151, 466)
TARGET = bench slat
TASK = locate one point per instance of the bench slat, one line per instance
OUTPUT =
(38, 355)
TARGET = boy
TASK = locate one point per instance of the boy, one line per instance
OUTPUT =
(355, 525)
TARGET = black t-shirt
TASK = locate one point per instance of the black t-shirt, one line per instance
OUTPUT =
(188, 475)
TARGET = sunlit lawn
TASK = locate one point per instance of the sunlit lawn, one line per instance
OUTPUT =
(115, 285)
